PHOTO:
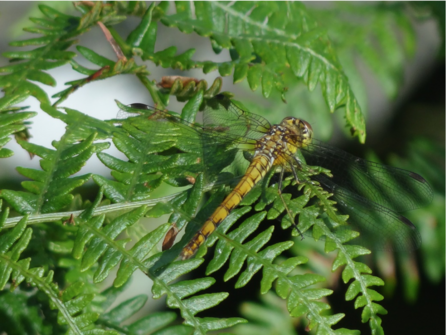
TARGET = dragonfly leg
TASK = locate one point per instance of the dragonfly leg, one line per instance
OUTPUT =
(295, 175)
(281, 176)
(292, 167)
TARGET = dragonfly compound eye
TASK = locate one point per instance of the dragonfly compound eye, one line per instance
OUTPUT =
(306, 131)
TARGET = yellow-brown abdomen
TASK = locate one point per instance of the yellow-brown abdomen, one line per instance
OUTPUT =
(257, 169)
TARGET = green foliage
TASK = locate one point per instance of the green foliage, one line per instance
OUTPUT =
(12, 122)
(154, 323)
(69, 303)
(50, 189)
(79, 244)
(262, 53)
(382, 48)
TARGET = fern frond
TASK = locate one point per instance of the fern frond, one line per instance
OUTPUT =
(74, 302)
(51, 187)
(267, 317)
(104, 244)
(81, 126)
(12, 122)
(154, 322)
(108, 68)
(360, 272)
(69, 304)
(58, 30)
(381, 35)
(20, 314)
(144, 172)
(267, 39)
(296, 289)
(177, 294)
(335, 239)
(100, 243)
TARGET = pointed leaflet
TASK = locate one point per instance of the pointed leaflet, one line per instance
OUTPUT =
(306, 49)
(11, 123)
(60, 30)
(51, 191)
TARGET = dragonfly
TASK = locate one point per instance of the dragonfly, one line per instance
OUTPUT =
(373, 195)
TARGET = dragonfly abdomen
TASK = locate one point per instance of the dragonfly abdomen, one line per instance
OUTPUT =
(259, 166)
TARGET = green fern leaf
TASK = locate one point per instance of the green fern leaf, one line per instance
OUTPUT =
(138, 257)
(138, 254)
(97, 245)
(371, 32)
(144, 171)
(81, 125)
(58, 30)
(101, 243)
(16, 270)
(23, 316)
(335, 240)
(304, 50)
(178, 291)
(71, 304)
(12, 122)
(55, 41)
(148, 324)
(296, 289)
(50, 191)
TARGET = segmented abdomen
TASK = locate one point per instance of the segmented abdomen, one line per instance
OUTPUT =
(257, 169)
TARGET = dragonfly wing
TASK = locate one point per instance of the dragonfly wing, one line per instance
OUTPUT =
(387, 186)
(222, 115)
(215, 148)
(379, 227)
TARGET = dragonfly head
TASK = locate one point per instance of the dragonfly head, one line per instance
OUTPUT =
(300, 128)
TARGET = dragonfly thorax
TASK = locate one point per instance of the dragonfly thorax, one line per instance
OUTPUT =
(300, 132)
(284, 140)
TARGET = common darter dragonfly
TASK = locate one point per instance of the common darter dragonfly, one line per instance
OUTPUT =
(373, 195)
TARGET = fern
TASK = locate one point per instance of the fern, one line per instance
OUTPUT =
(101, 244)
(79, 244)
(358, 271)
(267, 318)
(149, 324)
(296, 289)
(12, 122)
(152, 323)
(69, 303)
(58, 30)
(49, 191)
(308, 54)
(382, 48)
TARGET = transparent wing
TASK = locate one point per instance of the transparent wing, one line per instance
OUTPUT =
(386, 186)
(225, 129)
(372, 195)
(379, 227)
(221, 114)
(222, 120)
